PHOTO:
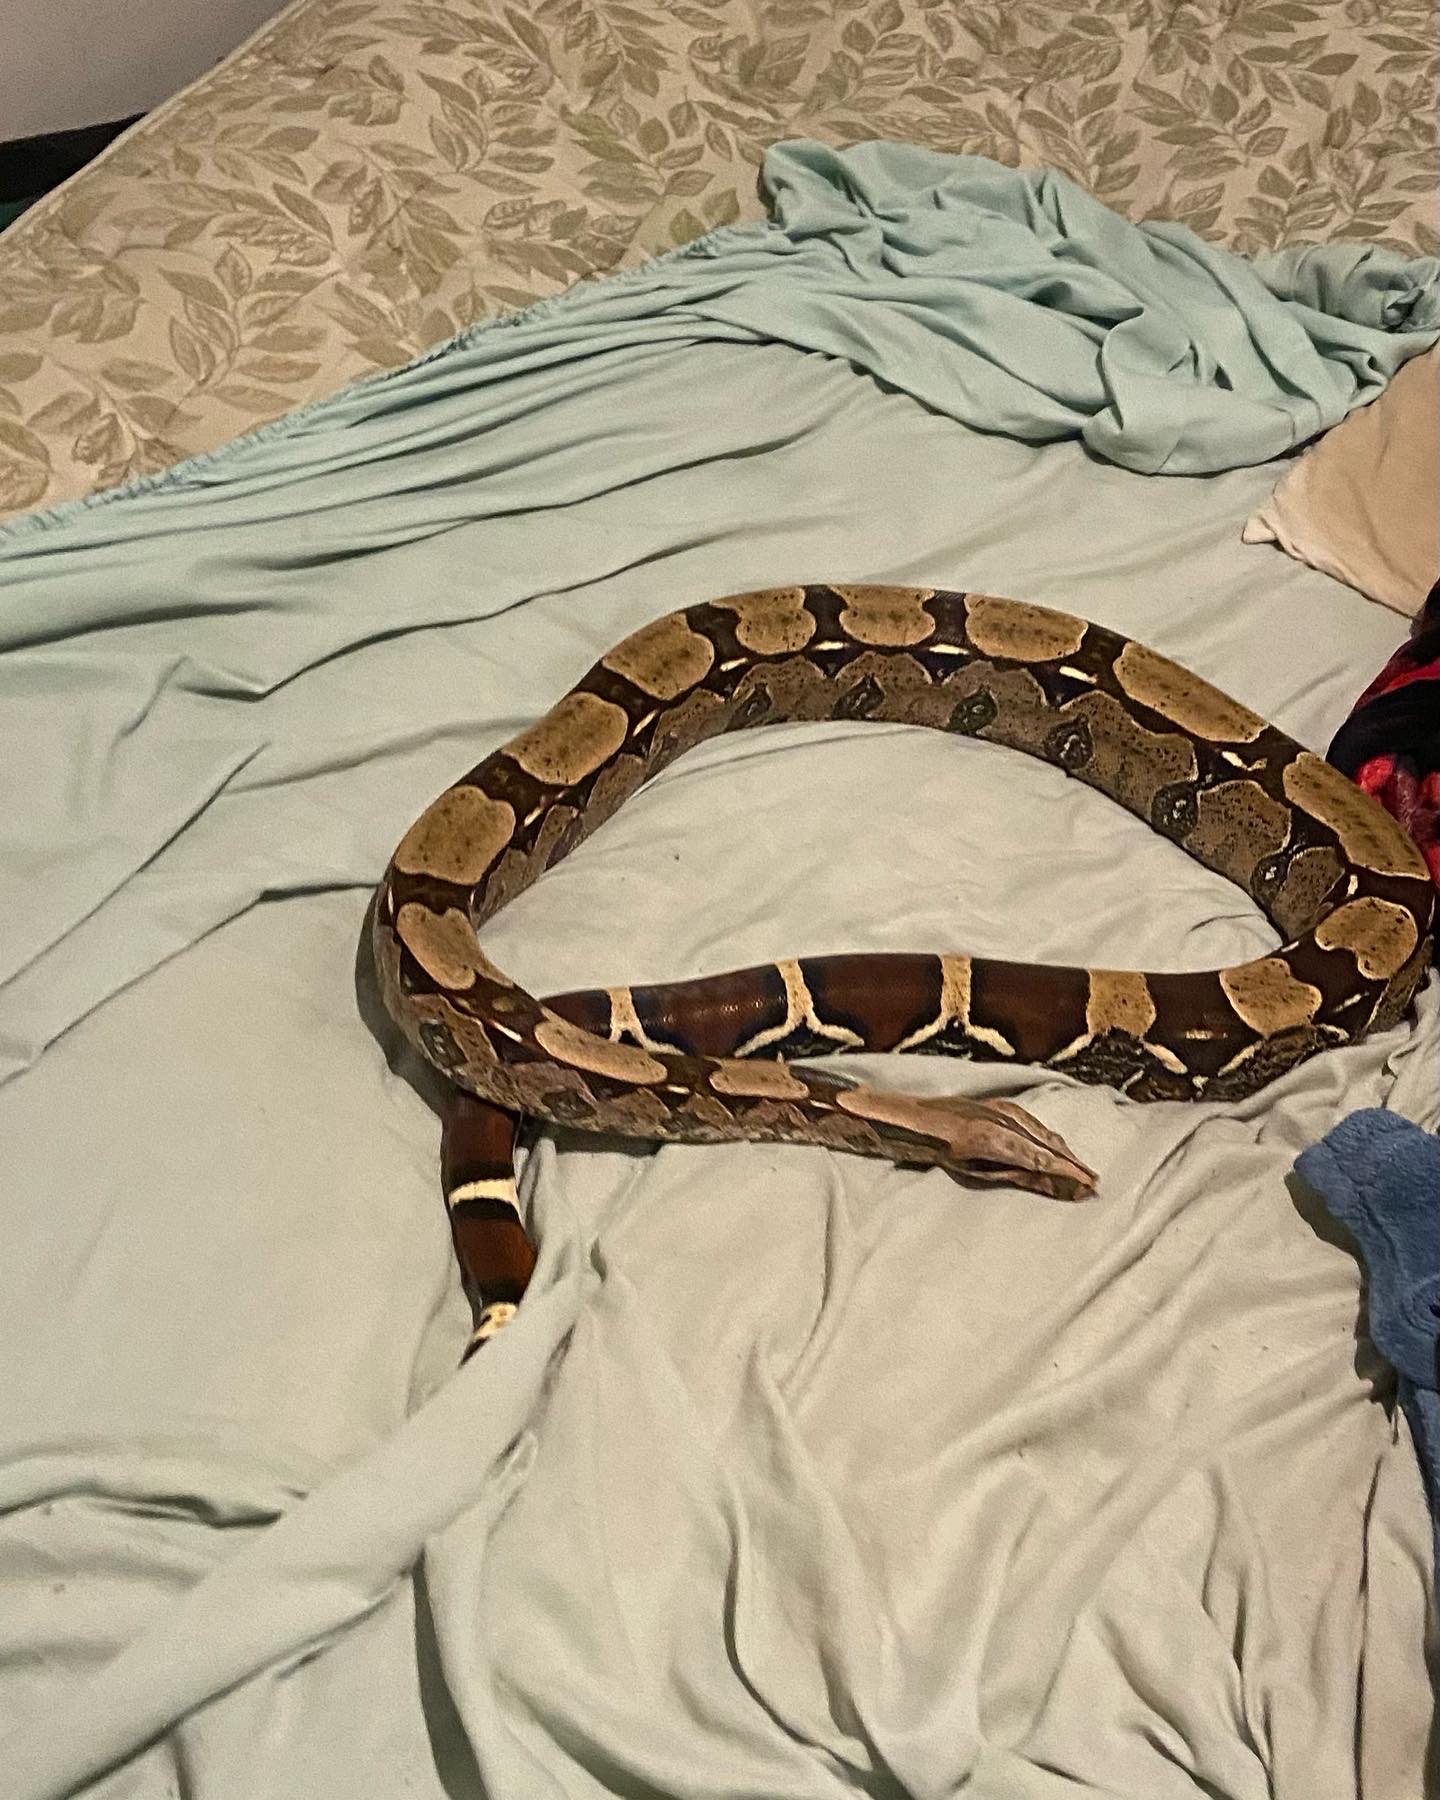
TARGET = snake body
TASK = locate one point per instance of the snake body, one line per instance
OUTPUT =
(708, 1060)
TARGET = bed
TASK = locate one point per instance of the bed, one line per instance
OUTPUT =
(795, 1476)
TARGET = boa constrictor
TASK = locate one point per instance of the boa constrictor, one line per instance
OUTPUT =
(1337, 877)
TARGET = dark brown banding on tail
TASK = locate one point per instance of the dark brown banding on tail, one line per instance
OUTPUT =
(477, 1171)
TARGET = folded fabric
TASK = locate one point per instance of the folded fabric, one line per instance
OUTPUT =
(1379, 1175)
(1034, 310)
(1390, 744)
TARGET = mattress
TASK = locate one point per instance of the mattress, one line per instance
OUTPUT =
(365, 177)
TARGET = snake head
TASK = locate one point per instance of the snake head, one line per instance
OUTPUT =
(991, 1141)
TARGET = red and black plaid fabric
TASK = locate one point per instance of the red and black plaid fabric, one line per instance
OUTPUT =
(1390, 744)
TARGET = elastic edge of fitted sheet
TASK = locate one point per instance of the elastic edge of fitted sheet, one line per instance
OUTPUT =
(51, 517)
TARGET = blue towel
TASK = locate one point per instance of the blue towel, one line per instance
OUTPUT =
(1380, 1177)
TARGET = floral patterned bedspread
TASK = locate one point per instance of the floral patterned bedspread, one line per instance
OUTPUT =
(368, 176)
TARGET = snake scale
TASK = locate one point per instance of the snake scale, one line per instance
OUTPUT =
(710, 1060)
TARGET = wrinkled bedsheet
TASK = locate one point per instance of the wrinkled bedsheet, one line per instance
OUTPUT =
(367, 176)
(796, 1476)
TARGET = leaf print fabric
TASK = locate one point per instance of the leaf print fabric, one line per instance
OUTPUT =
(366, 177)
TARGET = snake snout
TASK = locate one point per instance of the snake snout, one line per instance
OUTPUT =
(996, 1141)
(993, 1141)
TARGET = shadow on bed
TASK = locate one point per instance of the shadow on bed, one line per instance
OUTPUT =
(455, 1763)
(1370, 1365)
